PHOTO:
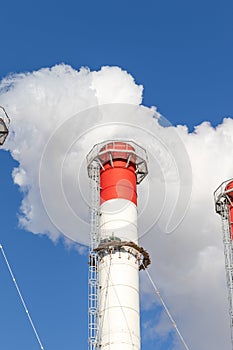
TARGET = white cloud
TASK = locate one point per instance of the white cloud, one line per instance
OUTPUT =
(112, 85)
(58, 114)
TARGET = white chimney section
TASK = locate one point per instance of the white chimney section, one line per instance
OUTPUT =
(115, 257)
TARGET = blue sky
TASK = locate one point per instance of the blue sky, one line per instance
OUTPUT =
(181, 52)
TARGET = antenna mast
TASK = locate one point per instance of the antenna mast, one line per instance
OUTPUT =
(223, 198)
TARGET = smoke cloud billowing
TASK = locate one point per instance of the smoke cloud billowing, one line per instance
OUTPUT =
(58, 114)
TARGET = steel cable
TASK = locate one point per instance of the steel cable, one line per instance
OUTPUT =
(21, 298)
(167, 311)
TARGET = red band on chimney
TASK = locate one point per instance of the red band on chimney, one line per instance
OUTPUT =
(118, 178)
(118, 182)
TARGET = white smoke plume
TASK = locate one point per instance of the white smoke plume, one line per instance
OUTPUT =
(57, 115)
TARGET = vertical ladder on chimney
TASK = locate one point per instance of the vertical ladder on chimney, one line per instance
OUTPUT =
(93, 282)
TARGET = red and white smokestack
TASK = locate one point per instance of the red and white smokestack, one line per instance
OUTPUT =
(4, 125)
(223, 197)
(122, 167)
(229, 192)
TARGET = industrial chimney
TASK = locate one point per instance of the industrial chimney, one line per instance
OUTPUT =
(223, 198)
(115, 168)
(4, 125)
